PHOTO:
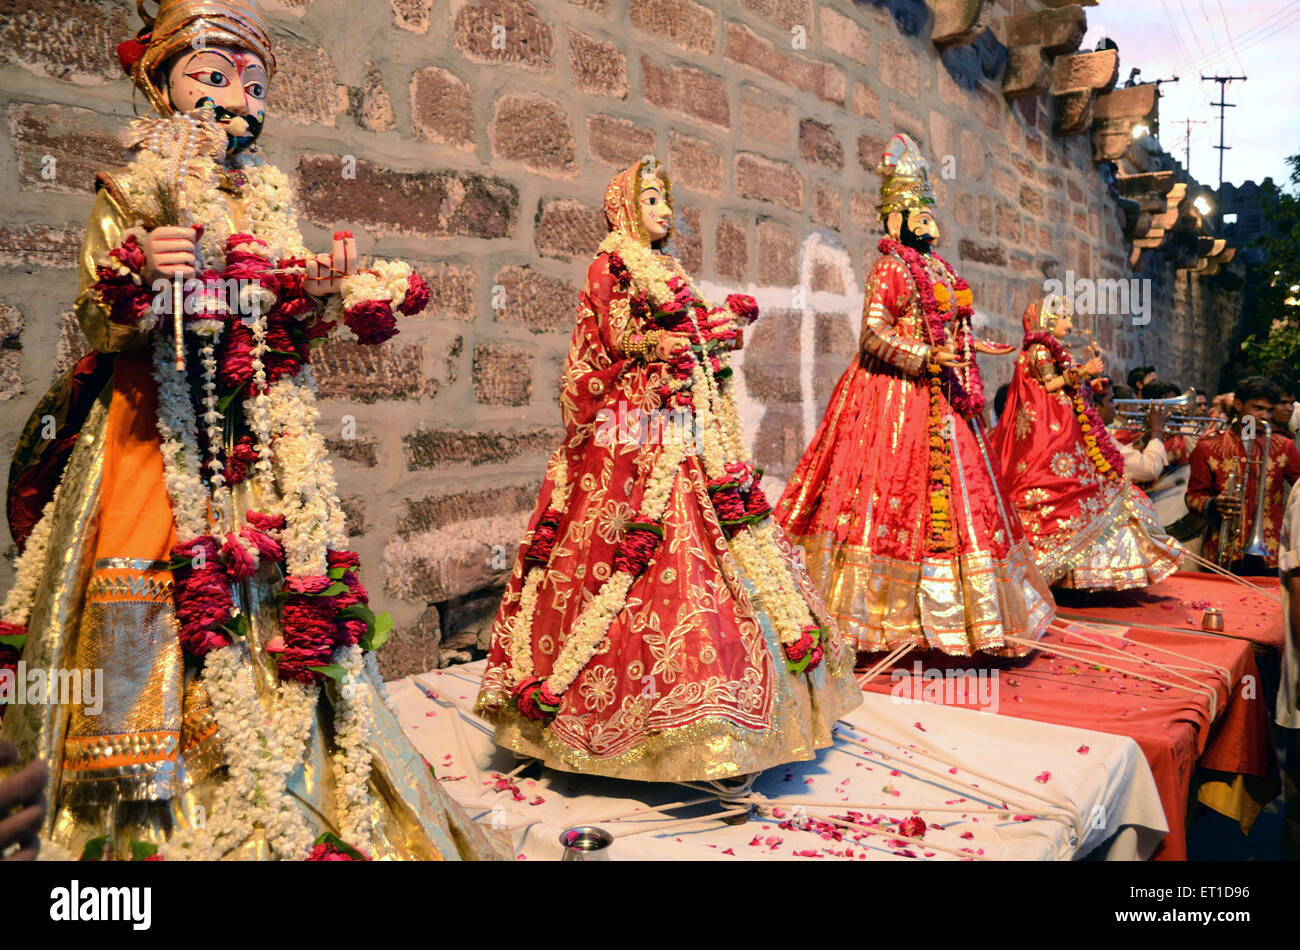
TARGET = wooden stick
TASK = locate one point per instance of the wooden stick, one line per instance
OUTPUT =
(1217, 569)
(954, 809)
(1205, 664)
(1116, 652)
(685, 823)
(893, 657)
(1194, 631)
(647, 810)
(1073, 813)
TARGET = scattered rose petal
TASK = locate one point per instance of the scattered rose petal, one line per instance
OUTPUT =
(1042, 777)
(1082, 750)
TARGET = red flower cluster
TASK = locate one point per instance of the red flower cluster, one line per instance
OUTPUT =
(417, 296)
(201, 594)
(638, 546)
(311, 623)
(912, 826)
(10, 655)
(619, 271)
(240, 459)
(127, 300)
(743, 306)
(372, 321)
(539, 552)
(805, 654)
(534, 700)
(329, 852)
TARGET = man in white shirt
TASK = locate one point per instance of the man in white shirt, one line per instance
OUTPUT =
(1148, 463)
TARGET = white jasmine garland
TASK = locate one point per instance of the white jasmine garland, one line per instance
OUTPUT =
(178, 429)
(29, 568)
(351, 762)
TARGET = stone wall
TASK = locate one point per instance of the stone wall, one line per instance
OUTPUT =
(483, 133)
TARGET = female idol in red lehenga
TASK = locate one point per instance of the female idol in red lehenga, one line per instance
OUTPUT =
(895, 502)
(656, 625)
(1090, 527)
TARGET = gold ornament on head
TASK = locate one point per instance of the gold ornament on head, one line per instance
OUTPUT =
(623, 197)
(904, 177)
(181, 25)
(1042, 314)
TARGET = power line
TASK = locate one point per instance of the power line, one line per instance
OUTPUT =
(1228, 31)
(1261, 31)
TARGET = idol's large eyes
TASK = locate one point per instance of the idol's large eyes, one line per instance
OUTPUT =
(256, 90)
(210, 77)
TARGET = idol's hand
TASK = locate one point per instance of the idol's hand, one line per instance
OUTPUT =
(325, 274)
(945, 357)
(671, 344)
(169, 253)
(1094, 367)
(22, 807)
(991, 348)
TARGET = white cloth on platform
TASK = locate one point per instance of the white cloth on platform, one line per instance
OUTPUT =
(1101, 781)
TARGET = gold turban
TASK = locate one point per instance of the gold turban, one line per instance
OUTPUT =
(1042, 314)
(623, 198)
(191, 24)
(904, 177)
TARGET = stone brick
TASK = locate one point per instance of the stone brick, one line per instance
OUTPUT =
(534, 130)
(747, 48)
(433, 448)
(70, 40)
(903, 119)
(778, 254)
(984, 210)
(11, 345)
(368, 374)
(687, 238)
(442, 109)
(1008, 222)
(526, 40)
(766, 117)
(827, 206)
(943, 137)
(451, 289)
(619, 142)
(786, 13)
(772, 357)
(963, 208)
(1031, 199)
(766, 179)
(972, 156)
(354, 515)
(695, 163)
(428, 514)
(1073, 190)
(412, 15)
(827, 276)
(870, 149)
(412, 649)
(1006, 183)
(37, 246)
(427, 204)
(833, 336)
(371, 106)
(988, 107)
(845, 36)
(862, 210)
(566, 227)
(731, 256)
(596, 6)
(780, 439)
(866, 103)
(689, 91)
(503, 374)
(818, 143)
(993, 254)
(363, 452)
(542, 304)
(597, 66)
(683, 22)
(306, 89)
(60, 148)
(899, 68)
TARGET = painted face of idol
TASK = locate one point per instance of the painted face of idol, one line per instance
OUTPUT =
(656, 216)
(920, 230)
(233, 81)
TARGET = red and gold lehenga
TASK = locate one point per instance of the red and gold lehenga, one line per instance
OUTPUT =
(1089, 526)
(656, 626)
(858, 504)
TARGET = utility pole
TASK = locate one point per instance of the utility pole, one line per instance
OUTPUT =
(1222, 104)
(1155, 130)
(1187, 145)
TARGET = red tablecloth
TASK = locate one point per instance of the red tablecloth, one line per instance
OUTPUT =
(1179, 600)
(1172, 726)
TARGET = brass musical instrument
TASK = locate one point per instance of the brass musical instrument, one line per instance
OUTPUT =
(1234, 545)
(1131, 414)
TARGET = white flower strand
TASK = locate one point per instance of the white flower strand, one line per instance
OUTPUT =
(30, 567)
(263, 743)
(352, 762)
(178, 429)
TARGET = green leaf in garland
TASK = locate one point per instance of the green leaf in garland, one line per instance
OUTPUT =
(16, 641)
(142, 850)
(336, 573)
(379, 636)
(95, 848)
(338, 843)
(224, 402)
(333, 671)
(238, 626)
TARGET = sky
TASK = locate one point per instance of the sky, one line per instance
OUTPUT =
(1259, 39)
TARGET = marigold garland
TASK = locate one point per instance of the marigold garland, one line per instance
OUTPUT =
(1098, 445)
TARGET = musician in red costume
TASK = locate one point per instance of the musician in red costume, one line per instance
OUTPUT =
(896, 502)
(1089, 526)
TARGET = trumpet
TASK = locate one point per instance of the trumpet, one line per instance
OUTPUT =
(1131, 415)
(1233, 546)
